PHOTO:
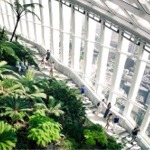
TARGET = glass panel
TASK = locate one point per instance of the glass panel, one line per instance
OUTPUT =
(56, 43)
(131, 3)
(114, 40)
(105, 93)
(120, 104)
(37, 12)
(143, 96)
(47, 37)
(66, 41)
(31, 30)
(82, 52)
(110, 67)
(55, 13)
(45, 10)
(127, 76)
(137, 115)
(140, 21)
(11, 24)
(66, 18)
(38, 33)
(78, 23)
(148, 133)
(24, 27)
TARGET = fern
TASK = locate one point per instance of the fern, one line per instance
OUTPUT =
(8, 137)
(43, 130)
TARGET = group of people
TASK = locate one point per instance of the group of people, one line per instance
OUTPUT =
(109, 116)
(22, 65)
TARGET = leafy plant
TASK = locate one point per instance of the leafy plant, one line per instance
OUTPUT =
(15, 108)
(43, 130)
(112, 144)
(95, 135)
(8, 137)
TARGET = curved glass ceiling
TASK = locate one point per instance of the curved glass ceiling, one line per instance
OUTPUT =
(134, 14)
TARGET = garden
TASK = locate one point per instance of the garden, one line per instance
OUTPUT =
(40, 113)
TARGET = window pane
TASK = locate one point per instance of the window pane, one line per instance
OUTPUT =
(66, 18)
(137, 115)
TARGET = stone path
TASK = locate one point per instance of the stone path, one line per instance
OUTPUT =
(120, 133)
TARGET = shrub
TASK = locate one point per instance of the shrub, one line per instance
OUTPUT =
(43, 130)
(8, 137)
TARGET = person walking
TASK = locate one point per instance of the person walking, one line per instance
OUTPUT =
(115, 122)
(134, 133)
(107, 110)
(52, 70)
(48, 54)
(109, 118)
(83, 90)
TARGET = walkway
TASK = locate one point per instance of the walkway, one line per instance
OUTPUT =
(120, 133)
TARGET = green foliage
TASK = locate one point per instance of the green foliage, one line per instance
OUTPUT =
(43, 130)
(68, 144)
(7, 53)
(3, 35)
(51, 108)
(8, 137)
(15, 108)
(74, 111)
(112, 144)
(95, 135)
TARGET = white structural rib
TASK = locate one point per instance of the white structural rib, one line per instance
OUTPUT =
(128, 26)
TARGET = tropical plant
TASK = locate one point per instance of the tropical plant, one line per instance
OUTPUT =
(3, 35)
(7, 51)
(20, 10)
(68, 144)
(32, 91)
(52, 108)
(43, 130)
(8, 137)
(10, 87)
(16, 108)
(3, 66)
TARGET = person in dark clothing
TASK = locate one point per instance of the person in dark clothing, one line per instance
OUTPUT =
(48, 54)
(135, 133)
(83, 89)
(107, 110)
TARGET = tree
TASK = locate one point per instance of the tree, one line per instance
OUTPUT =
(8, 137)
(20, 10)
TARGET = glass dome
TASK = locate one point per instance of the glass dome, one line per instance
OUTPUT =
(107, 43)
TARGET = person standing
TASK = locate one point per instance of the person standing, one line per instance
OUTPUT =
(109, 118)
(100, 106)
(48, 54)
(83, 90)
(107, 110)
(52, 69)
(115, 121)
(135, 132)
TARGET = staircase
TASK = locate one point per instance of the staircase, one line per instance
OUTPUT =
(121, 134)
